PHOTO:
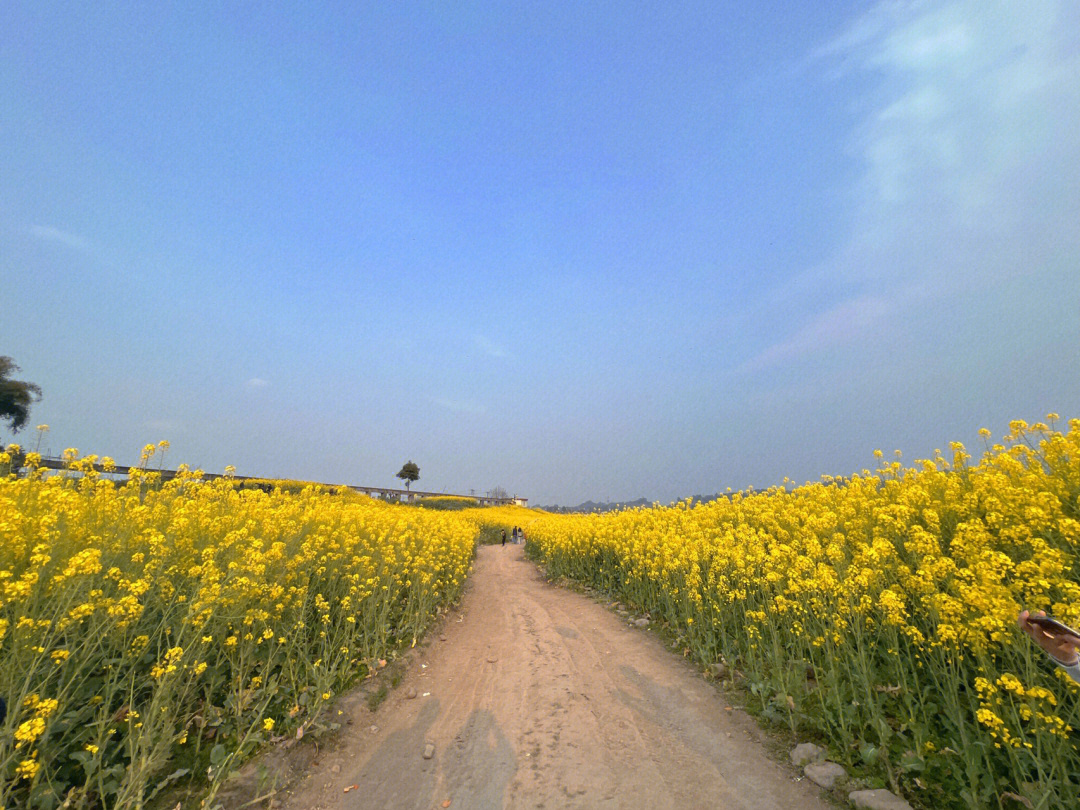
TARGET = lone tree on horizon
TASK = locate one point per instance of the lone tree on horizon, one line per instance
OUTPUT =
(16, 396)
(409, 472)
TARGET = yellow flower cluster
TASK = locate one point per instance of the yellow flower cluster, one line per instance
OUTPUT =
(145, 619)
(878, 609)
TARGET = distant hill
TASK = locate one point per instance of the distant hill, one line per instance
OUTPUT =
(594, 506)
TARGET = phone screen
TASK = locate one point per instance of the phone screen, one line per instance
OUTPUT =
(1053, 624)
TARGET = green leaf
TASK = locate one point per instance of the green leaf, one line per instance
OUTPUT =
(911, 762)
(217, 755)
(884, 730)
(168, 780)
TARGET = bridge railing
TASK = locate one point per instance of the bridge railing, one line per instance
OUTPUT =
(383, 493)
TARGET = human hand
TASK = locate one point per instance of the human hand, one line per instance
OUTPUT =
(1062, 647)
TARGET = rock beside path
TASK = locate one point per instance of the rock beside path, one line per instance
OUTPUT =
(804, 753)
(642, 622)
(879, 799)
(825, 774)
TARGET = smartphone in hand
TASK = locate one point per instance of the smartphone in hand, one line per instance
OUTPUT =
(1053, 626)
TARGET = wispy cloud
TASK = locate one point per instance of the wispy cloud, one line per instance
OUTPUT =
(842, 323)
(972, 143)
(257, 382)
(490, 348)
(48, 233)
(968, 157)
(459, 405)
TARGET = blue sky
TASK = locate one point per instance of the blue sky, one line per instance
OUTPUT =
(572, 251)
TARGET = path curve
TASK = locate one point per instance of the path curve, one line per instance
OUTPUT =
(540, 697)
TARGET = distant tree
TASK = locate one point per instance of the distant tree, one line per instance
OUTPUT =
(498, 492)
(16, 396)
(409, 472)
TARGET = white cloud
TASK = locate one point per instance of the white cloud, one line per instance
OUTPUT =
(257, 382)
(49, 234)
(968, 157)
(974, 139)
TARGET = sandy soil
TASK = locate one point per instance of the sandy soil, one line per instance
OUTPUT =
(540, 697)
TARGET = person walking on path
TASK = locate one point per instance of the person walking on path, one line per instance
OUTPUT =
(504, 538)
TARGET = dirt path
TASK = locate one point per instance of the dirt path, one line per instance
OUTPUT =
(541, 698)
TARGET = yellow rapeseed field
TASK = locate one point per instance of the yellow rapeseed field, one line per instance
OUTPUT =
(877, 613)
(151, 633)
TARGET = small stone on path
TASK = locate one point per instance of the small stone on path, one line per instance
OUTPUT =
(803, 753)
(429, 750)
(825, 774)
(442, 638)
(491, 659)
(879, 799)
(410, 693)
(335, 769)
